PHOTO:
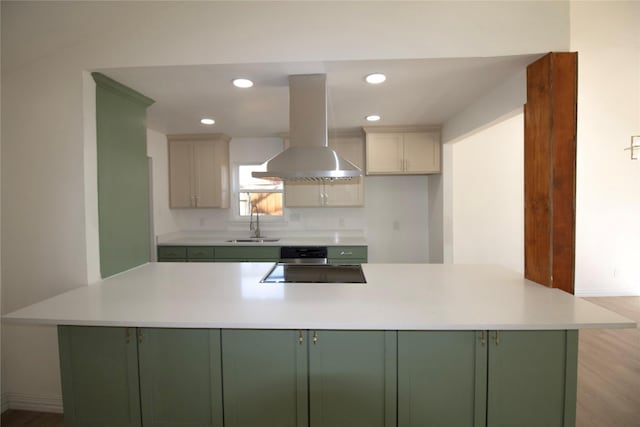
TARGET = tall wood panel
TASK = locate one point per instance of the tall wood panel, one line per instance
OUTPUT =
(550, 170)
(123, 179)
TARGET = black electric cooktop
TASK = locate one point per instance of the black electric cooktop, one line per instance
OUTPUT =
(314, 273)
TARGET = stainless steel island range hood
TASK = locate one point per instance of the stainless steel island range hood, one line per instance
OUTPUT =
(309, 158)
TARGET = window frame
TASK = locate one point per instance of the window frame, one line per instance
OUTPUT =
(236, 197)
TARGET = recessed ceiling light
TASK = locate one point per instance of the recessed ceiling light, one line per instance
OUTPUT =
(207, 121)
(375, 78)
(242, 83)
(373, 118)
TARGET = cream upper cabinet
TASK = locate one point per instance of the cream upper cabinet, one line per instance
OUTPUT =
(199, 171)
(401, 152)
(332, 193)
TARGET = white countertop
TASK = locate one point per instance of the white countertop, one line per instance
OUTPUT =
(297, 239)
(397, 296)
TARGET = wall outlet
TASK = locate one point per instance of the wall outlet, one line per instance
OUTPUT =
(341, 223)
(202, 222)
(396, 225)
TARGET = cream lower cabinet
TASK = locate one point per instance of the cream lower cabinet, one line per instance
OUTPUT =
(199, 171)
(402, 153)
(332, 193)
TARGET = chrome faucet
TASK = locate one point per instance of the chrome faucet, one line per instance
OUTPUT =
(255, 228)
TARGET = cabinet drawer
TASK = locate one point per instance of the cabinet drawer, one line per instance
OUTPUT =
(346, 253)
(347, 261)
(247, 253)
(172, 252)
(200, 252)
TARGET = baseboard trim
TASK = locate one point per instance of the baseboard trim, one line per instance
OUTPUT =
(32, 402)
(607, 293)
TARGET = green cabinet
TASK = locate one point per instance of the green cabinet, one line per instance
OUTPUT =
(247, 253)
(347, 254)
(205, 253)
(172, 253)
(265, 378)
(302, 378)
(352, 378)
(99, 369)
(441, 378)
(117, 376)
(532, 378)
(180, 377)
(335, 255)
(133, 377)
(495, 378)
(122, 176)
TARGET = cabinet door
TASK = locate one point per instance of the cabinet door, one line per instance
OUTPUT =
(303, 195)
(180, 377)
(352, 378)
(348, 192)
(347, 254)
(172, 252)
(344, 193)
(421, 152)
(531, 378)
(247, 253)
(211, 174)
(181, 193)
(384, 153)
(442, 378)
(195, 253)
(99, 368)
(265, 378)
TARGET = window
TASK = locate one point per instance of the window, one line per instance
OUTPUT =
(261, 195)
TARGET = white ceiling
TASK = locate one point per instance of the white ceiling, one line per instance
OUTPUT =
(417, 92)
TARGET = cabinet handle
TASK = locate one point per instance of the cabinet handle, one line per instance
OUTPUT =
(128, 335)
(140, 336)
(496, 338)
(315, 337)
(300, 338)
(197, 200)
(483, 340)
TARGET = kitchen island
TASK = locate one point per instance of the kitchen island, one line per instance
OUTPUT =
(418, 344)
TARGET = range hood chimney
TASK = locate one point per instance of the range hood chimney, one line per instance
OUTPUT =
(309, 158)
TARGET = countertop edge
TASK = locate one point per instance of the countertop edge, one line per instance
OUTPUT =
(7, 319)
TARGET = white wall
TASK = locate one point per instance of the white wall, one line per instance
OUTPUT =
(607, 40)
(488, 196)
(164, 220)
(607, 195)
(46, 46)
(396, 212)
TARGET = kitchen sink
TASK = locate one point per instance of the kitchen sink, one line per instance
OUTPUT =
(253, 240)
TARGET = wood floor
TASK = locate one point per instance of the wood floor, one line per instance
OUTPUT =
(14, 418)
(608, 376)
(609, 370)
